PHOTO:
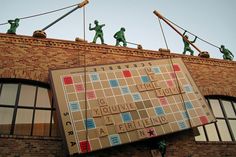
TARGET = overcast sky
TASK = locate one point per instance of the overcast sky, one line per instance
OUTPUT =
(212, 20)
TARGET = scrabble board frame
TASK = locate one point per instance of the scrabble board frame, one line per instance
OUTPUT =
(126, 102)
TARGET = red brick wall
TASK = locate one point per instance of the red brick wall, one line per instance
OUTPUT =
(18, 146)
(31, 58)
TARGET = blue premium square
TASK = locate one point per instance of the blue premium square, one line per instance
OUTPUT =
(114, 139)
(90, 123)
(159, 111)
(156, 70)
(136, 97)
(182, 125)
(185, 115)
(145, 79)
(188, 88)
(114, 83)
(125, 90)
(126, 117)
(188, 105)
(74, 106)
(94, 77)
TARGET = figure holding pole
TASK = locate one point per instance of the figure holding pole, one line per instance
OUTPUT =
(14, 24)
(227, 54)
(187, 44)
(168, 23)
(120, 37)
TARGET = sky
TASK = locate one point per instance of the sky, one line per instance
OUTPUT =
(211, 20)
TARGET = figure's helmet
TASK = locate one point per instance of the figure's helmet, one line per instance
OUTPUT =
(222, 46)
(95, 22)
(122, 28)
(17, 20)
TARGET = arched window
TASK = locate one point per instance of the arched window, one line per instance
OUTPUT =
(26, 109)
(224, 109)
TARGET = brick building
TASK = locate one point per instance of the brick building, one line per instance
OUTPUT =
(25, 96)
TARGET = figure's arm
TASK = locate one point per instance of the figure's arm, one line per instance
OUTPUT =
(90, 28)
(194, 39)
(231, 53)
(102, 25)
(184, 35)
(10, 21)
(115, 35)
(124, 37)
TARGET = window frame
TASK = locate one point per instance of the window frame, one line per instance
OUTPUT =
(220, 99)
(15, 107)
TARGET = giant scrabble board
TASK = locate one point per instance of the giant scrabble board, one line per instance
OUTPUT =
(122, 103)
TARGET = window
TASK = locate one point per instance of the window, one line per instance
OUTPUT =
(26, 109)
(224, 129)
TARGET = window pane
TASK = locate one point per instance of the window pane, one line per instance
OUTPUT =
(211, 132)
(27, 95)
(215, 106)
(23, 121)
(5, 120)
(42, 123)
(202, 136)
(8, 94)
(43, 99)
(55, 128)
(233, 127)
(224, 131)
(229, 109)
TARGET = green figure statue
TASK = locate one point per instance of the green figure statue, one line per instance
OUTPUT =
(227, 55)
(120, 37)
(186, 44)
(98, 30)
(162, 147)
(14, 24)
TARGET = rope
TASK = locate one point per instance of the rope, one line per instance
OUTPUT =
(179, 88)
(192, 33)
(163, 34)
(84, 20)
(41, 14)
(85, 84)
(132, 43)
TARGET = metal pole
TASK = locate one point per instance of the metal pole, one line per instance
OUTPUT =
(161, 17)
(80, 5)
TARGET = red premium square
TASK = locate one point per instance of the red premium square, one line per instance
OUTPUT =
(79, 87)
(204, 120)
(170, 83)
(67, 80)
(126, 73)
(91, 95)
(176, 67)
(85, 146)
(163, 101)
(173, 75)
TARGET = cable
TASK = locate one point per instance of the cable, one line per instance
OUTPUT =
(84, 20)
(163, 34)
(191, 33)
(181, 94)
(49, 12)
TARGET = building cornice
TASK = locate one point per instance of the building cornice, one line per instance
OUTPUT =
(108, 49)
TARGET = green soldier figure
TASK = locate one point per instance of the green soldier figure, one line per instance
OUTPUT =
(162, 147)
(186, 44)
(14, 24)
(227, 55)
(120, 37)
(98, 30)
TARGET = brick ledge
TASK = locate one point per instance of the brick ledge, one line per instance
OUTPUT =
(31, 137)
